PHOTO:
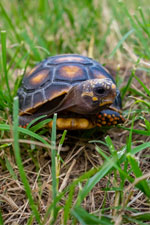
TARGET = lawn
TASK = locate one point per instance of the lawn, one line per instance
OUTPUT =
(98, 176)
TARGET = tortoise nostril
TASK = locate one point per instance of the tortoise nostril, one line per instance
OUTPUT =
(99, 90)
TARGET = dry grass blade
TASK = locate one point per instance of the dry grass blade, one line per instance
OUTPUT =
(65, 180)
(10, 201)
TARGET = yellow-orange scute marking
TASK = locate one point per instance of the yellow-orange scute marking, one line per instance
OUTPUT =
(71, 71)
(32, 71)
(99, 76)
(40, 77)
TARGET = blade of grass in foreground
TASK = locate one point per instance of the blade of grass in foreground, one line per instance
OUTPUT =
(141, 132)
(138, 173)
(19, 161)
(27, 132)
(94, 180)
(54, 180)
(85, 218)
(53, 149)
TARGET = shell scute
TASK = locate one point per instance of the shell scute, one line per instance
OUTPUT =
(70, 73)
(54, 77)
(68, 58)
(54, 90)
(37, 79)
(28, 102)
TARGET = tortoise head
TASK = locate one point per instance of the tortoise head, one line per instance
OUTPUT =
(90, 96)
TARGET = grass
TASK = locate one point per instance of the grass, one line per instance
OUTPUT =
(90, 177)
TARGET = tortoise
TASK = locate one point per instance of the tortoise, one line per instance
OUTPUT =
(79, 89)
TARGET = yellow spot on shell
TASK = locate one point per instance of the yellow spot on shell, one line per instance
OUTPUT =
(71, 71)
(40, 77)
(32, 71)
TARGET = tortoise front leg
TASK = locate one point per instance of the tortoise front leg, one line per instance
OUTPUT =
(109, 117)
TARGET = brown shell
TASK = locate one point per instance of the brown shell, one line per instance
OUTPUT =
(54, 77)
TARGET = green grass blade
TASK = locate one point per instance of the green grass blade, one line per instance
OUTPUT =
(121, 42)
(71, 190)
(126, 88)
(140, 148)
(53, 151)
(62, 138)
(145, 216)
(10, 169)
(1, 218)
(111, 146)
(143, 185)
(30, 220)
(40, 125)
(138, 92)
(85, 218)
(31, 44)
(53, 155)
(141, 132)
(19, 161)
(146, 26)
(35, 120)
(94, 180)
(9, 21)
(134, 221)
(27, 132)
(129, 139)
(3, 44)
(143, 85)
(68, 204)
(147, 124)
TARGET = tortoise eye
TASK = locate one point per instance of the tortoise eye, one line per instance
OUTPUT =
(99, 90)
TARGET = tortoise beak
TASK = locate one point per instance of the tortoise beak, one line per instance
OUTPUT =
(105, 103)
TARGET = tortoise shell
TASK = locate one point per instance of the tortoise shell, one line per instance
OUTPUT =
(54, 77)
